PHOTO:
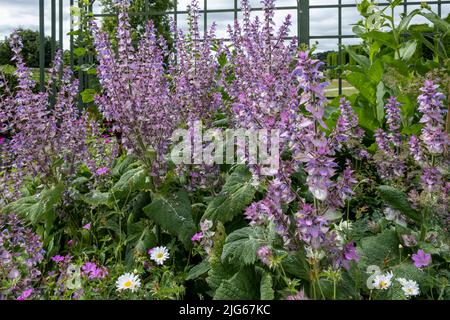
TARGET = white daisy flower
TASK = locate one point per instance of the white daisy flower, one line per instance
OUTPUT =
(128, 281)
(159, 255)
(410, 287)
(383, 281)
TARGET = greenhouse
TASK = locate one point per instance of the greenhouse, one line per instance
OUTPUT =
(202, 150)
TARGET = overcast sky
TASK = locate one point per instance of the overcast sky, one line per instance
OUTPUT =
(25, 14)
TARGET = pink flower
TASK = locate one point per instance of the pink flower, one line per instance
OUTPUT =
(2, 140)
(421, 259)
(102, 171)
(197, 237)
(87, 226)
(25, 294)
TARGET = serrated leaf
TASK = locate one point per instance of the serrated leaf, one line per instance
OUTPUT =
(198, 270)
(242, 286)
(242, 245)
(236, 195)
(266, 289)
(173, 213)
(398, 200)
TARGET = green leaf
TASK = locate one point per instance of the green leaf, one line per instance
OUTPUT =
(404, 23)
(439, 23)
(398, 200)
(97, 198)
(37, 208)
(198, 270)
(236, 195)
(131, 181)
(377, 249)
(384, 38)
(139, 238)
(173, 213)
(124, 164)
(296, 265)
(360, 59)
(241, 246)
(376, 72)
(79, 52)
(242, 286)
(88, 95)
(266, 289)
(408, 50)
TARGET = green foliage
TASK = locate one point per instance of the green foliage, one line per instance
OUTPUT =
(38, 208)
(380, 250)
(236, 195)
(198, 270)
(267, 292)
(242, 286)
(173, 213)
(398, 200)
(241, 246)
(30, 51)
(131, 181)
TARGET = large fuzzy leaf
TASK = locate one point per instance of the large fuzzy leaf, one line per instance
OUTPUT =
(380, 250)
(97, 198)
(131, 181)
(38, 207)
(241, 246)
(242, 286)
(173, 213)
(399, 201)
(236, 195)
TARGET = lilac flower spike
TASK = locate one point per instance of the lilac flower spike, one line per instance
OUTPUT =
(431, 106)
(393, 121)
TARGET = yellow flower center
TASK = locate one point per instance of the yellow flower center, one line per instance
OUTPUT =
(160, 255)
(128, 284)
(383, 284)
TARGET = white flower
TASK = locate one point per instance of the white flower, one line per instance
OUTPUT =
(410, 287)
(383, 281)
(128, 281)
(314, 254)
(159, 255)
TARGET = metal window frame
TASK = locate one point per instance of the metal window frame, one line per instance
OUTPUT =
(302, 8)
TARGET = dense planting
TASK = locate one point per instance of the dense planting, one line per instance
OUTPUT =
(348, 204)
